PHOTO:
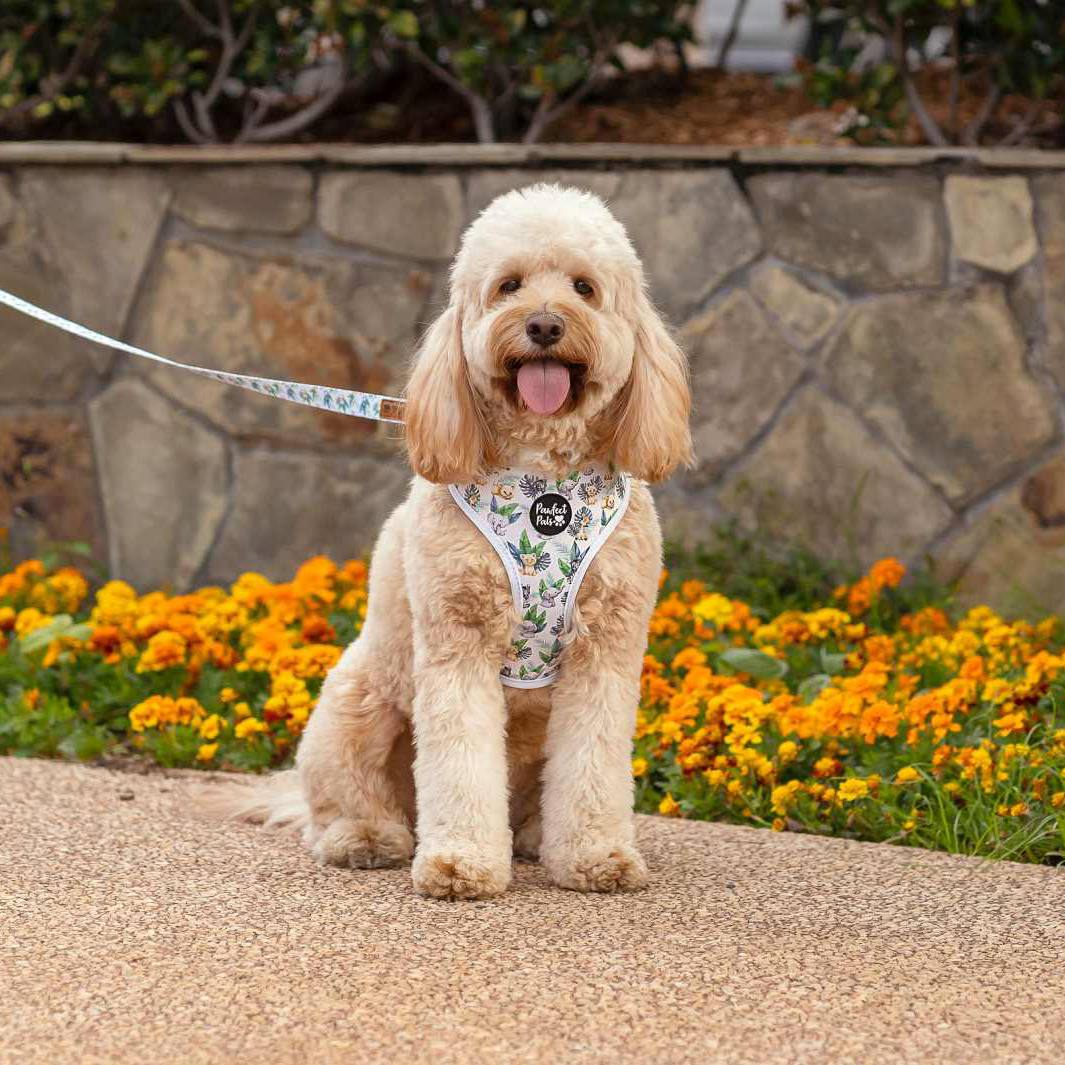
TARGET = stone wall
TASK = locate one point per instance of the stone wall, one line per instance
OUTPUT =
(877, 344)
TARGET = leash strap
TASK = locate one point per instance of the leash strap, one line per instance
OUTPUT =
(337, 400)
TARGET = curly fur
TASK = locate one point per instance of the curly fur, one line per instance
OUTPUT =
(416, 750)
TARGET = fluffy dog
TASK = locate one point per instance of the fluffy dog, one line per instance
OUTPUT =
(548, 356)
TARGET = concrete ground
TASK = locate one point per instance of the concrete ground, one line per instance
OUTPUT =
(131, 932)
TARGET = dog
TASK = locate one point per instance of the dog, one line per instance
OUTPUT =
(548, 360)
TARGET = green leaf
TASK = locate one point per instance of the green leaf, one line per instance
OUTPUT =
(43, 636)
(756, 663)
(404, 24)
(832, 663)
(813, 686)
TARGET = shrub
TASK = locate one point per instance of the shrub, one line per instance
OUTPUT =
(263, 70)
(872, 50)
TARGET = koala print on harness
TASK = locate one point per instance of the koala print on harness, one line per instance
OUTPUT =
(546, 533)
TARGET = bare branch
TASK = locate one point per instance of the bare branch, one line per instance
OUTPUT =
(897, 42)
(479, 107)
(292, 124)
(188, 127)
(735, 22)
(955, 74)
(971, 133)
(545, 114)
(205, 24)
(1018, 133)
(203, 102)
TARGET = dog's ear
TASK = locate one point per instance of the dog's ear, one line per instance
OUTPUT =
(445, 433)
(652, 435)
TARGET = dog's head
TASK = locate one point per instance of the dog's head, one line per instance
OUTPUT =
(549, 345)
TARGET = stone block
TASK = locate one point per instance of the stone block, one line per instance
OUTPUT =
(48, 481)
(942, 376)
(7, 203)
(874, 233)
(415, 216)
(1012, 553)
(821, 480)
(805, 313)
(253, 199)
(99, 228)
(692, 228)
(163, 479)
(37, 361)
(741, 372)
(991, 221)
(309, 318)
(1049, 192)
(288, 506)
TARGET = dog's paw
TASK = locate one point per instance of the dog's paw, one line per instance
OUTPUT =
(527, 839)
(450, 874)
(364, 844)
(608, 868)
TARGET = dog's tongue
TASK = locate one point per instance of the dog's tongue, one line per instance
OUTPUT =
(544, 385)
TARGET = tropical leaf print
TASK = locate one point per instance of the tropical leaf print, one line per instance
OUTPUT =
(549, 654)
(551, 590)
(532, 486)
(567, 485)
(590, 489)
(581, 522)
(533, 622)
(533, 558)
(545, 570)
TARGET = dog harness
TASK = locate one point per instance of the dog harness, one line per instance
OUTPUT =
(546, 533)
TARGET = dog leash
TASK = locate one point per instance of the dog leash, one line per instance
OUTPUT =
(337, 400)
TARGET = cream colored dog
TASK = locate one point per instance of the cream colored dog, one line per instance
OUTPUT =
(416, 749)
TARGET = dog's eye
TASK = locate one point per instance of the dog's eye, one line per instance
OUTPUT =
(510, 285)
(582, 288)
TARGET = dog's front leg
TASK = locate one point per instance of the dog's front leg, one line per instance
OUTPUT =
(460, 766)
(589, 837)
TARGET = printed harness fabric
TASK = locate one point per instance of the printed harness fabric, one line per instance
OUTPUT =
(546, 533)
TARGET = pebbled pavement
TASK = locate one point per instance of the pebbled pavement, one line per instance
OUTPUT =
(130, 932)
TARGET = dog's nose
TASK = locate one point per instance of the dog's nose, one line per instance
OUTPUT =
(544, 328)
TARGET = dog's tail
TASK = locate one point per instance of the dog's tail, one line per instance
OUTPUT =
(275, 802)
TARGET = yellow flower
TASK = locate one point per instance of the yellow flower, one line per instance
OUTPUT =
(228, 695)
(210, 727)
(853, 789)
(165, 650)
(907, 775)
(206, 752)
(669, 807)
(787, 751)
(241, 710)
(639, 767)
(783, 796)
(1057, 799)
(713, 610)
(909, 826)
(248, 727)
(779, 824)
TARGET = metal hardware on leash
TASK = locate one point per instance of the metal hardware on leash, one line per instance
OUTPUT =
(336, 400)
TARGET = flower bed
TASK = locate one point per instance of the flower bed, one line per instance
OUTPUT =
(871, 714)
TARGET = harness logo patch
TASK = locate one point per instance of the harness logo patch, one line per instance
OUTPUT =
(550, 514)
